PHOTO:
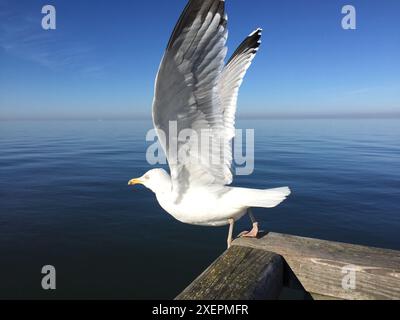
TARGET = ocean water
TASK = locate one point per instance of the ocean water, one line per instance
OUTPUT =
(64, 201)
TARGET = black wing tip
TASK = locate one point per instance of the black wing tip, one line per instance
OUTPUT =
(258, 31)
(255, 37)
(251, 44)
(222, 13)
(193, 9)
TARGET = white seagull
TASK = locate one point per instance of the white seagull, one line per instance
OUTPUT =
(196, 90)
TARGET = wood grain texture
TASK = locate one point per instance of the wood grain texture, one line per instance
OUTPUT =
(319, 264)
(316, 296)
(241, 273)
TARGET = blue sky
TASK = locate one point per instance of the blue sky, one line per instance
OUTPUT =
(101, 60)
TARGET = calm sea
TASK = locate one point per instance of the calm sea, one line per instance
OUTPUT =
(64, 201)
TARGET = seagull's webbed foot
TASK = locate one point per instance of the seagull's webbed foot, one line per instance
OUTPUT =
(250, 234)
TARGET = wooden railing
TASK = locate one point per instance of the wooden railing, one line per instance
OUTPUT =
(261, 268)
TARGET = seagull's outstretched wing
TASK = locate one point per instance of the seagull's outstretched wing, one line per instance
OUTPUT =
(195, 90)
(232, 78)
(186, 93)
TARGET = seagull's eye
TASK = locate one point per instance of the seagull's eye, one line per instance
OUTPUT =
(146, 177)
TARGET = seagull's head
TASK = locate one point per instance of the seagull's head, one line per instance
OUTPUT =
(157, 180)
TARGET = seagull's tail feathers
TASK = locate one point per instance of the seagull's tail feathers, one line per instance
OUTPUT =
(268, 198)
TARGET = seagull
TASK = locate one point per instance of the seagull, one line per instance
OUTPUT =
(197, 92)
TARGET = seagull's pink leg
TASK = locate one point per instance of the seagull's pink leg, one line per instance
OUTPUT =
(230, 234)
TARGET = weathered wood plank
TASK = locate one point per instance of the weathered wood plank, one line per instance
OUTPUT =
(240, 273)
(321, 265)
(316, 296)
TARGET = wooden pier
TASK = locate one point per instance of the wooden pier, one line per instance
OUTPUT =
(259, 269)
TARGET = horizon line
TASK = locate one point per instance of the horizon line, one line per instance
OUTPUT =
(249, 116)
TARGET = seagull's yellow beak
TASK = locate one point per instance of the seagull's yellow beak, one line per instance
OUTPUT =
(135, 181)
